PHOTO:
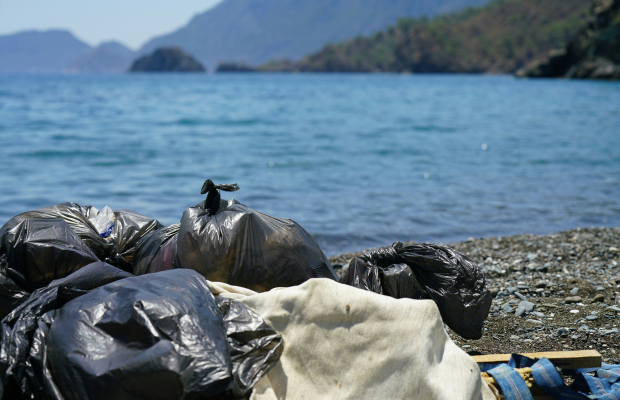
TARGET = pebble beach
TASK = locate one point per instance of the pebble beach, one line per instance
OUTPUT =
(551, 293)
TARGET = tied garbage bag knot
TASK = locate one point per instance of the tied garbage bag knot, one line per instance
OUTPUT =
(212, 203)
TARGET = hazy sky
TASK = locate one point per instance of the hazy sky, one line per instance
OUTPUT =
(132, 22)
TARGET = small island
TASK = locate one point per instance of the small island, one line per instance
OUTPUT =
(167, 59)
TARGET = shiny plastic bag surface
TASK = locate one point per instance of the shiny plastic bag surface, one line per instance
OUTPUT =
(155, 251)
(129, 227)
(254, 347)
(41, 250)
(244, 247)
(11, 296)
(452, 280)
(73, 214)
(363, 275)
(23, 353)
(151, 336)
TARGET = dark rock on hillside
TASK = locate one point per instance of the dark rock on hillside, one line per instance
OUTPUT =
(167, 59)
(593, 53)
(234, 67)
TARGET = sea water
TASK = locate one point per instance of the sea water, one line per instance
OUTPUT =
(359, 160)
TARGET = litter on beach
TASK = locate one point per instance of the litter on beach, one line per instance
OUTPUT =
(232, 303)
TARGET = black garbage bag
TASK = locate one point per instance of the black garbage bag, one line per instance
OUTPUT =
(24, 372)
(254, 347)
(11, 295)
(399, 281)
(235, 244)
(161, 336)
(155, 251)
(129, 227)
(363, 275)
(41, 250)
(452, 280)
(73, 214)
(116, 246)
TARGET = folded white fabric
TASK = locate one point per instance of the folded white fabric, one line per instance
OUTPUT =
(345, 343)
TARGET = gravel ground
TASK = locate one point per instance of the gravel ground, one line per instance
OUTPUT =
(565, 287)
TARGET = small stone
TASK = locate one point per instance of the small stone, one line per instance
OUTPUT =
(591, 317)
(539, 290)
(609, 331)
(563, 331)
(520, 296)
(574, 291)
(523, 287)
(598, 298)
(533, 321)
(506, 307)
(511, 289)
(466, 346)
(600, 289)
(549, 305)
(575, 337)
(537, 314)
(493, 292)
(527, 340)
(613, 249)
(583, 328)
(541, 285)
(571, 300)
(614, 308)
(573, 311)
(524, 307)
(514, 337)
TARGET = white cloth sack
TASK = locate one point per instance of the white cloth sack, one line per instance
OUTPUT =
(346, 343)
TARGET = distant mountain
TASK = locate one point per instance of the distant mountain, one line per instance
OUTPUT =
(39, 51)
(256, 31)
(108, 57)
(500, 37)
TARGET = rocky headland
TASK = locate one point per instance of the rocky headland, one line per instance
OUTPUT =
(593, 53)
(551, 293)
(167, 59)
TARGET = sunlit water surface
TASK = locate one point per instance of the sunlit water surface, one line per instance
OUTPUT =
(358, 160)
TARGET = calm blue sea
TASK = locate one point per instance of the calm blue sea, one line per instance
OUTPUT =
(358, 160)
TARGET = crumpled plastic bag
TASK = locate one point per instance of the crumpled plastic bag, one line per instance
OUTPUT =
(155, 252)
(452, 280)
(129, 227)
(235, 244)
(76, 216)
(158, 335)
(41, 250)
(11, 295)
(23, 352)
(55, 346)
(120, 229)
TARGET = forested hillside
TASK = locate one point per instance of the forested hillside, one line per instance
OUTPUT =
(500, 37)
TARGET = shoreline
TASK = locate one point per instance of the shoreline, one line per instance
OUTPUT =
(572, 278)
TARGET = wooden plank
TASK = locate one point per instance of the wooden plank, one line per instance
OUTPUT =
(562, 359)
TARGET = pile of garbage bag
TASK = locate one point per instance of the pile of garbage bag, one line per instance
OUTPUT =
(102, 333)
(112, 304)
(427, 271)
